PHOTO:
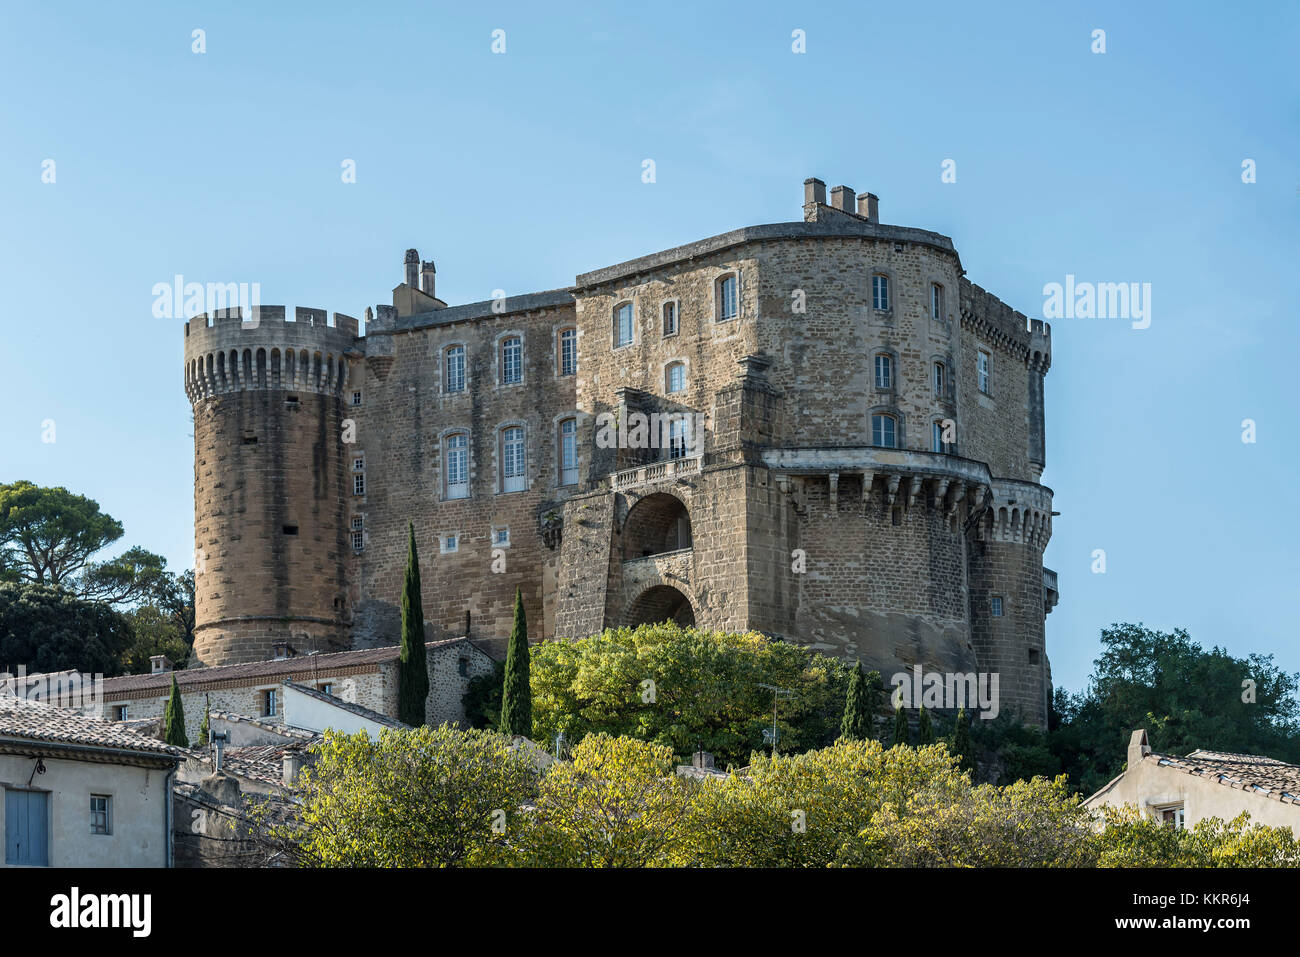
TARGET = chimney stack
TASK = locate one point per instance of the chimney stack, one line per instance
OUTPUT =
(412, 269)
(160, 664)
(427, 272)
(814, 191)
(842, 198)
(869, 207)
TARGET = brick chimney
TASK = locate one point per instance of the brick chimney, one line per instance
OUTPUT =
(412, 269)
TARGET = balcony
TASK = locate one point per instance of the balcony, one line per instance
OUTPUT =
(654, 473)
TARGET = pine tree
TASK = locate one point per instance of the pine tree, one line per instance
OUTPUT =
(859, 705)
(412, 667)
(925, 728)
(961, 743)
(900, 725)
(174, 718)
(516, 693)
(205, 728)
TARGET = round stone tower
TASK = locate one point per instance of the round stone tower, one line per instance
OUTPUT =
(271, 482)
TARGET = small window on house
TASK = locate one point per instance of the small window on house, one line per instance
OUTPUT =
(101, 814)
(359, 476)
(456, 455)
(1172, 816)
(356, 398)
(513, 478)
(501, 537)
(678, 436)
(623, 325)
(568, 452)
(884, 431)
(326, 687)
(290, 529)
(997, 606)
(884, 372)
(676, 377)
(670, 318)
(982, 363)
(454, 367)
(358, 532)
(936, 301)
(450, 543)
(880, 292)
(121, 712)
(568, 351)
(512, 360)
(940, 379)
(268, 703)
(728, 305)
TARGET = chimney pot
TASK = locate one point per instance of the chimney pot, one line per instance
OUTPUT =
(427, 274)
(842, 198)
(160, 664)
(869, 207)
(814, 191)
(411, 275)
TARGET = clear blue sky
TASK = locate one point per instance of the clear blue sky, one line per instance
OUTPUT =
(518, 171)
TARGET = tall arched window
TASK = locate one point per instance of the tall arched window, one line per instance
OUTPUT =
(880, 292)
(454, 366)
(513, 478)
(884, 431)
(455, 454)
(884, 372)
(512, 360)
(568, 451)
(727, 293)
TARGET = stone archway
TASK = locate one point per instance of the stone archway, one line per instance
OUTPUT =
(660, 603)
(658, 523)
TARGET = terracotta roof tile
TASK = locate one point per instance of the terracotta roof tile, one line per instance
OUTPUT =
(34, 721)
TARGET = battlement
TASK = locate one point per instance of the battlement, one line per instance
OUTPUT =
(228, 352)
(1007, 328)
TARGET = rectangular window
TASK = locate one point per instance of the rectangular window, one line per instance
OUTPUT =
(936, 301)
(728, 300)
(670, 318)
(501, 537)
(358, 476)
(512, 361)
(676, 377)
(462, 667)
(623, 332)
(458, 465)
(883, 431)
(100, 819)
(455, 362)
(677, 437)
(982, 372)
(1172, 816)
(880, 292)
(938, 438)
(938, 379)
(568, 352)
(450, 543)
(120, 712)
(27, 828)
(268, 703)
(358, 533)
(512, 460)
(569, 452)
(884, 372)
(356, 398)
(997, 606)
(327, 687)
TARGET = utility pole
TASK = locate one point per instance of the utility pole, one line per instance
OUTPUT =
(777, 692)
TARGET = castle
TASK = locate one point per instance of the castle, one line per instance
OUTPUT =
(844, 444)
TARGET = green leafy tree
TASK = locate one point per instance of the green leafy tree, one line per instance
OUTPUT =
(174, 718)
(1132, 840)
(482, 698)
(175, 598)
(48, 535)
(901, 730)
(134, 576)
(49, 629)
(924, 728)
(412, 664)
(426, 797)
(516, 693)
(617, 803)
(153, 633)
(687, 688)
(860, 705)
(962, 746)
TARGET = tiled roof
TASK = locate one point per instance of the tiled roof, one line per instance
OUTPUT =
(281, 730)
(1266, 777)
(33, 721)
(279, 669)
(348, 706)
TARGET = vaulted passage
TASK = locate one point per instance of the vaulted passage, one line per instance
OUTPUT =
(658, 523)
(661, 603)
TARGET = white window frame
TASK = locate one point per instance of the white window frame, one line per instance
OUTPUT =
(358, 475)
(619, 341)
(567, 447)
(883, 383)
(500, 536)
(358, 532)
(884, 417)
(936, 301)
(513, 466)
(678, 437)
(455, 379)
(938, 378)
(997, 608)
(449, 544)
(108, 815)
(356, 397)
(455, 489)
(984, 371)
(517, 365)
(673, 306)
(676, 365)
(567, 345)
(720, 300)
(880, 292)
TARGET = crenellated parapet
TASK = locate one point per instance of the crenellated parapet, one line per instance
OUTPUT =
(1019, 513)
(230, 351)
(1029, 340)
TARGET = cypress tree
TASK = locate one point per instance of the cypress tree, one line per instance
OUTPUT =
(412, 668)
(900, 725)
(961, 743)
(204, 727)
(925, 728)
(859, 705)
(516, 693)
(174, 718)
